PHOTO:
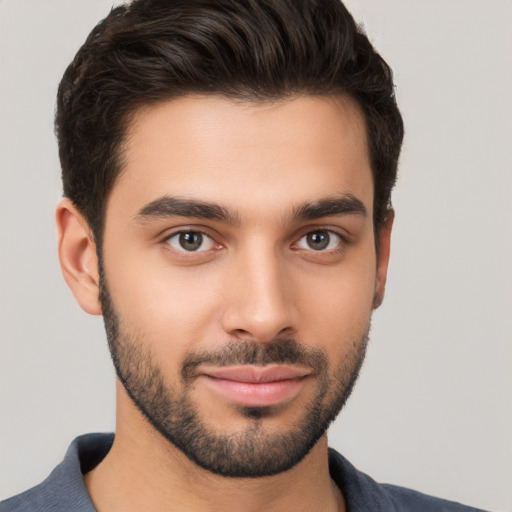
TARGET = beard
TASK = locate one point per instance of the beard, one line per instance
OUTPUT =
(255, 451)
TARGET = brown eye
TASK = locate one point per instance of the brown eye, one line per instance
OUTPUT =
(190, 241)
(319, 240)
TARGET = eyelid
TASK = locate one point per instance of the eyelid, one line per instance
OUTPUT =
(332, 234)
(206, 241)
(342, 233)
(167, 233)
(338, 232)
(205, 232)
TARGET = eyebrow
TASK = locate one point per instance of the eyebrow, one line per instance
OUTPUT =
(346, 204)
(168, 206)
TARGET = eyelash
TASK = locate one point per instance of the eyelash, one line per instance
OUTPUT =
(340, 245)
(181, 232)
(330, 235)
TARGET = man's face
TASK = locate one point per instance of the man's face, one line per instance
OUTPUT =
(239, 274)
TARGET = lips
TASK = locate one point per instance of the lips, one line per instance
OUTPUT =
(256, 385)
(256, 374)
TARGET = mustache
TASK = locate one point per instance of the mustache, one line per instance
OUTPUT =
(279, 351)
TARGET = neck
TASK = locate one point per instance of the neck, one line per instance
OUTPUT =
(143, 471)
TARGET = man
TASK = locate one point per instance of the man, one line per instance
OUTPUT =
(227, 169)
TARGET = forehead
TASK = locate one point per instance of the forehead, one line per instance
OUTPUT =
(238, 154)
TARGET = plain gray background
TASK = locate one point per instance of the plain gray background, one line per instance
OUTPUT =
(432, 409)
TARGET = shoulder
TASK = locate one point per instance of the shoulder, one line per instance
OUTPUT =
(408, 499)
(52, 495)
(363, 493)
(64, 489)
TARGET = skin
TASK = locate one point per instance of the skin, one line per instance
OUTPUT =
(256, 279)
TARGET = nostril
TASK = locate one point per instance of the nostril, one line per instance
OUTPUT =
(241, 333)
(286, 331)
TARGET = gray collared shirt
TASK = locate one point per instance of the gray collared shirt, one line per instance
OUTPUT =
(64, 490)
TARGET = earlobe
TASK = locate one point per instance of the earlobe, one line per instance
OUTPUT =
(77, 256)
(383, 251)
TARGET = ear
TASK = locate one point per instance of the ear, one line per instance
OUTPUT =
(77, 255)
(383, 250)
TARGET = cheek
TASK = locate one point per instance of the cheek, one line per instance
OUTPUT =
(170, 309)
(337, 311)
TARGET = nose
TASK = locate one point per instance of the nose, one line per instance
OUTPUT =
(260, 299)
